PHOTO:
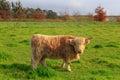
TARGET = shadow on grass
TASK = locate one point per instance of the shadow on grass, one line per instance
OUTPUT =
(59, 69)
(16, 66)
(24, 71)
(16, 70)
(98, 46)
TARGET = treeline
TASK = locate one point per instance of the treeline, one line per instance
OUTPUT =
(16, 11)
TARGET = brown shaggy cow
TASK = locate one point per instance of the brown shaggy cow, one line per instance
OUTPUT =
(64, 47)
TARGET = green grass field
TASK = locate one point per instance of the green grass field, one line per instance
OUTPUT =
(100, 61)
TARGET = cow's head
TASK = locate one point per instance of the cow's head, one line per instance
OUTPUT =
(79, 44)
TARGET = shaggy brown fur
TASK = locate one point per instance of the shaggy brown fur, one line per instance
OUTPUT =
(64, 47)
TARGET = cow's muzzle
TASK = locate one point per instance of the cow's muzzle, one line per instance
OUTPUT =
(79, 52)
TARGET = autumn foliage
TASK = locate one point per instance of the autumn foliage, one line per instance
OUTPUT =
(15, 11)
(4, 14)
(100, 14)
(39, 15)
(118, 19)
(4, 9)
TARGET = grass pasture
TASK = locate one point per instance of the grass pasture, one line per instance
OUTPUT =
(100, 61)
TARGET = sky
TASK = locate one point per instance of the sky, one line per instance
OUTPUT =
(112, 7)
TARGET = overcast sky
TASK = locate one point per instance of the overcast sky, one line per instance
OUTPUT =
(82, 6)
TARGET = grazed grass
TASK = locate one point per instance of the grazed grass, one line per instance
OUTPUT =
(113, 44)
(101, 72)
(26, 42)
(100, 61)
(11, 45)
(4, 56)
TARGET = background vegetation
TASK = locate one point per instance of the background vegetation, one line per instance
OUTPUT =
(14, 11)
(100, 61)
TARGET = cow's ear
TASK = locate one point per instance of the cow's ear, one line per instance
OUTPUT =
(87, 40)
(71, 42)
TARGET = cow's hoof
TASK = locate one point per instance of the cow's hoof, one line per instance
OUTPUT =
(69, 70)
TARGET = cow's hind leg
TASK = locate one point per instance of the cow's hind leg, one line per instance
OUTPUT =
(34, 62)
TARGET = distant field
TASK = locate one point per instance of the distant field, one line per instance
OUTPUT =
(100, 61)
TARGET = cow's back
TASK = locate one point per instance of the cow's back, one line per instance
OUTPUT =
(51, 46)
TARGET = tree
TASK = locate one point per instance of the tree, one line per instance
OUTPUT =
(100, 14)
(77, 16)
(17, 10)
(4, 9)
(90, 17)
(38, 14)
(38, 9)
(30, 13)
(65, 16)
(4, 5)
(118, 19)
(51, 14)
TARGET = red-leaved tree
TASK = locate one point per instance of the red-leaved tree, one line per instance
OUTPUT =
(39, 15)
(100, 14)
(4, 9)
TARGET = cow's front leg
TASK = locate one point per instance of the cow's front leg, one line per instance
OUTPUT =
(67, 61)
(42, 61)
(63, 64)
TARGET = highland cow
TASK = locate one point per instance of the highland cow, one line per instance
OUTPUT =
(64, 47)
